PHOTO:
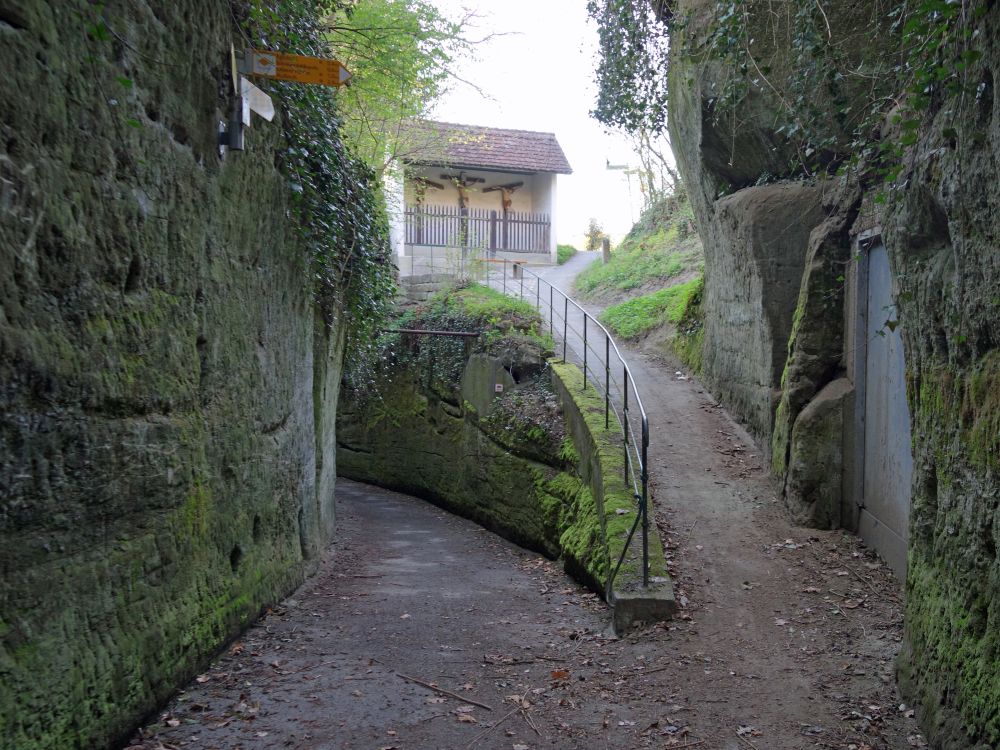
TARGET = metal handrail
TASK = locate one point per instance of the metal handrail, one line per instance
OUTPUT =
(640, 483)
(625, 404)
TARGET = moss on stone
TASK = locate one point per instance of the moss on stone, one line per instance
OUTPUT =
(948, 624)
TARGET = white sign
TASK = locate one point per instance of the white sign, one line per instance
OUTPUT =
(257, 100)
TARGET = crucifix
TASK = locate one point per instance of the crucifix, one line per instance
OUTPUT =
(420, 186)
(506, 198)
(462, 184)
(506, 193)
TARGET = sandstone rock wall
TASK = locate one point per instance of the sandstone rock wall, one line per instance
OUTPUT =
(166, 393)
(423, 435)
(940, 226)
(941, 233)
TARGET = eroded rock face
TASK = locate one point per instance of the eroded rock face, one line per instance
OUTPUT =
(166, 394)
(816, 344)
(940, 227)
(941, 234)
(813, 487)
(502, 459)
(754, 258)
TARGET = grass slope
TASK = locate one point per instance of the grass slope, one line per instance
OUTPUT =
(661, 247)
(638, 316)
(659, 271)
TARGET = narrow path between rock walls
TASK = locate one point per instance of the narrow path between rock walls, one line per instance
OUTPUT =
(787, 636)
(422, 630)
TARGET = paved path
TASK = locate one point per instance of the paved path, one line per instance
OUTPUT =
(785, 641)
(412, 590)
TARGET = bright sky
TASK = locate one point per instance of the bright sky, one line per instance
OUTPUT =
(540, 76)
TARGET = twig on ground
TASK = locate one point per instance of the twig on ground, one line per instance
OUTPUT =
(442, 691)
(531, 724)
(493, 726)
(741, 738)
(306, 668)
(431, 717)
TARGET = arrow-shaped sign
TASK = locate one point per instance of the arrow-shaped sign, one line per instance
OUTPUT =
(298, 68)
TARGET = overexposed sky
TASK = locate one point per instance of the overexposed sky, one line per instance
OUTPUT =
(540, 76)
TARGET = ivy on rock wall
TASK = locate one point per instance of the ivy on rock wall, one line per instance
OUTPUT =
(338, 206)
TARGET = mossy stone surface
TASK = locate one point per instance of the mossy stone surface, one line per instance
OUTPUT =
(163, 378)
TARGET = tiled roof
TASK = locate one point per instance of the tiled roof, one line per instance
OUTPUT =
(473, 146)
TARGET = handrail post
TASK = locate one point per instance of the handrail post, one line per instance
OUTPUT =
(644, 475)
(607, 380)
(625, 419)
(585, 316)
(521, 274)
(504, 272)
(538, 294)
(552, 329)
(565, 324)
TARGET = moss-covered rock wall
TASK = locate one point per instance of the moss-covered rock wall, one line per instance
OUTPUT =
(939, 220)
(459, 444)
(941, 233)
(166, 391)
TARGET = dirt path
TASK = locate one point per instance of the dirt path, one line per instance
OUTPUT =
(785, 639)
(792, 630)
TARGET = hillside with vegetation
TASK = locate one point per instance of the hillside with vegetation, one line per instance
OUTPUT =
(652, 285)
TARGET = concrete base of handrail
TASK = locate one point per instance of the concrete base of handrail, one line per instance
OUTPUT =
(600, 467)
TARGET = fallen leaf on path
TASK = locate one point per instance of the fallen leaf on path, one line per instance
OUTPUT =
(560, 674)
(519, 747)
(467, 719)
(747, 731)
(780, 623)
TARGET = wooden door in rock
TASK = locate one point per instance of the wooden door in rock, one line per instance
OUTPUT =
(884, 416)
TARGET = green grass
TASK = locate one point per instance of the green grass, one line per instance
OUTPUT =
(499, 314)
(659, 247)
(491, 307)
(564, 253)
(638, 316)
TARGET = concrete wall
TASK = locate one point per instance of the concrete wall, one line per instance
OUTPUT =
(166, 463)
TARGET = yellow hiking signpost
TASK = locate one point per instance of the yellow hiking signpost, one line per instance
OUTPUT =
(286, 67)
(281, 66)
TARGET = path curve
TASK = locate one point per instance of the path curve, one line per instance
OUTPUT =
(785, 640)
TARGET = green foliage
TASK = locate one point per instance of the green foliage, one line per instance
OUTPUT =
(838, 91)
(489, 308)
(640, 315)
(595, 235)
(564, 253)
(336, 203)
(657, 249)
(500, 320)
(632, 72)
(894, 61)
(401, 54)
